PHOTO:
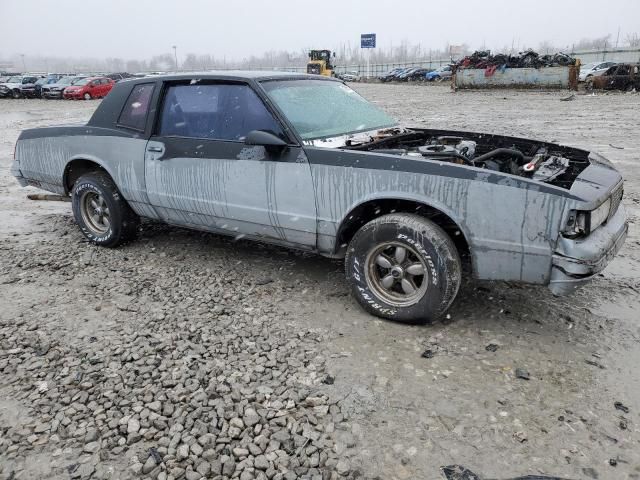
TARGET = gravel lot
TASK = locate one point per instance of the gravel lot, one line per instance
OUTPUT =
(187, 355)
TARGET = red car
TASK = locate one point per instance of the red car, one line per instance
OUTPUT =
(88, 88)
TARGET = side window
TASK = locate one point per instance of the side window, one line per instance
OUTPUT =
(134, 113)
(215, 111)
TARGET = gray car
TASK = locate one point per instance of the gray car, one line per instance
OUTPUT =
(55, 90)
(305, 162)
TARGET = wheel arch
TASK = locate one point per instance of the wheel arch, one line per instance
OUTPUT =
(80, 165)
(373, 208)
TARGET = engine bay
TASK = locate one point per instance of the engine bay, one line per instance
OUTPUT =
(540, 161)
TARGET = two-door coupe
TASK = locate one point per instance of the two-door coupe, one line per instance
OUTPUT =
(306, 162)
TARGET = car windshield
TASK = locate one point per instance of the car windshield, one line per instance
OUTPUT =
(81, 81)
(65, 80)
(15, 80)
(322, 109)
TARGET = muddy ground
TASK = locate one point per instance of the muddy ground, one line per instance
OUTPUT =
(396, 412)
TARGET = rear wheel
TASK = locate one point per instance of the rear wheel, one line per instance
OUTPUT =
(104, 217)
(630, 87)
(403, 267)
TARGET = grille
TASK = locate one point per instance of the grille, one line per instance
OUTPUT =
(616, 198)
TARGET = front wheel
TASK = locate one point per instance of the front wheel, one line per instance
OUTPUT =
(102, 214)
(87, 96)
(403, 267)
(16, 94)
(589, 84)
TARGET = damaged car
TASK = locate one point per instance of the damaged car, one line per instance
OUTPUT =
(624, 76)
(307, 163)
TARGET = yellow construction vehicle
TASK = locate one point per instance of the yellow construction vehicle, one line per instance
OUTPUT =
(320, 63)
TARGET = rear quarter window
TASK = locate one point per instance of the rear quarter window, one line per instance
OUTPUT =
(134, 113)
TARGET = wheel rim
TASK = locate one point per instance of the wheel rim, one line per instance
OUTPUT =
(396, 273)
(87, 96)
(95, 213)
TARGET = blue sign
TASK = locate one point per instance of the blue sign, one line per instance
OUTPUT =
(368, 40)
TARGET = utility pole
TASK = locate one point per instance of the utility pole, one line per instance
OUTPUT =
(175, 55)
(24, 68)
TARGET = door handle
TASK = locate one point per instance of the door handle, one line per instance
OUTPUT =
(155, 149)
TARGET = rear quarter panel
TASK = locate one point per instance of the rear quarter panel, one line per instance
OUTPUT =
(42, 156)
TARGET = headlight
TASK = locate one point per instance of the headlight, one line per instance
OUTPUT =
(581, 222)
(577, 224)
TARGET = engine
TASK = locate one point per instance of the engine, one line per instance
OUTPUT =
(543, 165)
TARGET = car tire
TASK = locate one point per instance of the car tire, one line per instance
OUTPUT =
(16, 94)
(403, 267)
(87, 96)
(588, 86)
(103, 215)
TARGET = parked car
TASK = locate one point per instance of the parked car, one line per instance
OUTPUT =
(593, 70)
(390, 75)
(623, 76)
(13, 86)
(88, 88)
(34, 90)
(55, 90)
(442, 73)
(306, 162)
(418, 75)
(350, 77)
(116, 77)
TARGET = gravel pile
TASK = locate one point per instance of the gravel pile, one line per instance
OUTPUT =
(178, 371)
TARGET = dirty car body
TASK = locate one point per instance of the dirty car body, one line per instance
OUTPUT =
(623, 76)
(237, 153)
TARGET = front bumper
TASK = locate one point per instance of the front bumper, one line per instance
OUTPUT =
(577, 261)
(52, 93)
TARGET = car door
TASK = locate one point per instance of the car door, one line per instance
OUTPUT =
(102, 86)
(621, 77)
(199, 172)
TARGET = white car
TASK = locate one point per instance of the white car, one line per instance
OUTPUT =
(350, 77)
(593, 70)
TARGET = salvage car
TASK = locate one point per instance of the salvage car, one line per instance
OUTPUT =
(55, 90)
(350, 77)
(13, 86)
(88, 88)
(624, 76)
(306, 162)
(593, 70)
(443, 73)
(34, 89)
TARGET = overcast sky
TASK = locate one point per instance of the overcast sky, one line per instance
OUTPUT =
(132, 29)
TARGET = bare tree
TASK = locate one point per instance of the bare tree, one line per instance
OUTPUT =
(633, 39)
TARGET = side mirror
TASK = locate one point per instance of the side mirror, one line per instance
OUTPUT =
(265, 139)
